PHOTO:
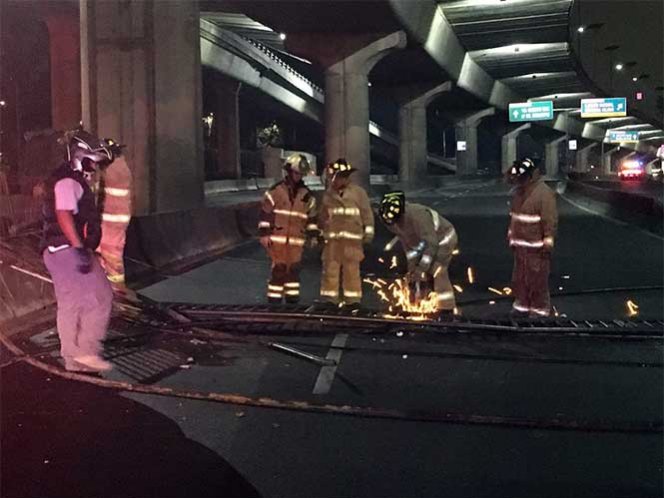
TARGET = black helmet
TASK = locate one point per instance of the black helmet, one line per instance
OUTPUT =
(392, 207)
(339, 167)
(297, 163)
(113, 147)
(84, 148)
(522, 168)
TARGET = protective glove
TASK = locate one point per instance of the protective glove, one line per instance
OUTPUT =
(266, 242)
(84, 257)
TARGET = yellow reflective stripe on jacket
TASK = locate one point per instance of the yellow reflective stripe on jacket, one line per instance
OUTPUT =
(117, 192)
(448, 237)
(526, 243)
(282, 239)
(345, 211)
(116, 218)
(288, 212)
(526, 218)
(344, 235)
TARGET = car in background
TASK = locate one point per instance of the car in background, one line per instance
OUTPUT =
(632, 170)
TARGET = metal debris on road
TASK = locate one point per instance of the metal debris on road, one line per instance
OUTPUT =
(495, 291)
(302, 354)
(458, 288)
(471, 275)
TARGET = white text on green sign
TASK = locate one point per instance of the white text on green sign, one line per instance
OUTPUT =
(621, 136)
(531, 111)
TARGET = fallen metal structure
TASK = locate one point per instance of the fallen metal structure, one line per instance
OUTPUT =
(270, 319)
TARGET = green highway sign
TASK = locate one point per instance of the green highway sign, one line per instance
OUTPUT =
(531, 111)
(620, 136)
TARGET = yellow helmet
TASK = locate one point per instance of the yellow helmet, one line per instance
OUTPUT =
(297, 163)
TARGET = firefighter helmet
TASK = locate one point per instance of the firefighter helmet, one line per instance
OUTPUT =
(84, 148)
(392, 207)
(340, 167)
(113, 147)
(298, 163)
(522, 168)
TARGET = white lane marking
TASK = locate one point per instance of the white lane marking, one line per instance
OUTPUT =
(606, 217)
(326, 375)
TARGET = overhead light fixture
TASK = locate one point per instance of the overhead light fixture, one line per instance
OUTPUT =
(2, 103)
(282, 36)
(619, 67)
(581, 29)
(635, 78)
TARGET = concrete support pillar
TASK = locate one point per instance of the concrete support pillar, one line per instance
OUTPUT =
(509, 143)
(227, 127)
(606, 160)
(582, 156)
(347, 59)
(413, 131)
(65, 57)
(141, 84)
(347, 104)
(552, 156)
(466, 130)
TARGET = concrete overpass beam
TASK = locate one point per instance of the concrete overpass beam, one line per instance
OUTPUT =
(347, 59)
(552, 155)
(413, 132)
(509, 143)
(466, 131)
(141, 84)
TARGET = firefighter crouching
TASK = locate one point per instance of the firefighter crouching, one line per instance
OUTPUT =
(287, 220)
(71, 232)
(347, 223)
(428, 240)
(532, 229)
(115, 205)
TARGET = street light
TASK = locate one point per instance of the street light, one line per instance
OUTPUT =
(619, 67)
(581, 29)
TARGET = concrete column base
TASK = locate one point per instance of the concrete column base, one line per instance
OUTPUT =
(141, 85)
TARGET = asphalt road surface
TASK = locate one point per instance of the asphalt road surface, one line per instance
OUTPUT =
(67, 438)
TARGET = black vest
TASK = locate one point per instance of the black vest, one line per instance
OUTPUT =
(87, 220)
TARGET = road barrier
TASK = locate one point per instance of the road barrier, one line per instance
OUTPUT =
(641, 210)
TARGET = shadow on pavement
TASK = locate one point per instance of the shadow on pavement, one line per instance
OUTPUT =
(69, 439)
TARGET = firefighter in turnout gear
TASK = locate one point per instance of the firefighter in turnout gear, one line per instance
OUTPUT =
(287, 220)
(71, 233)
(428, 240)
(114, 201)
(531, 235)
(347, 223)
